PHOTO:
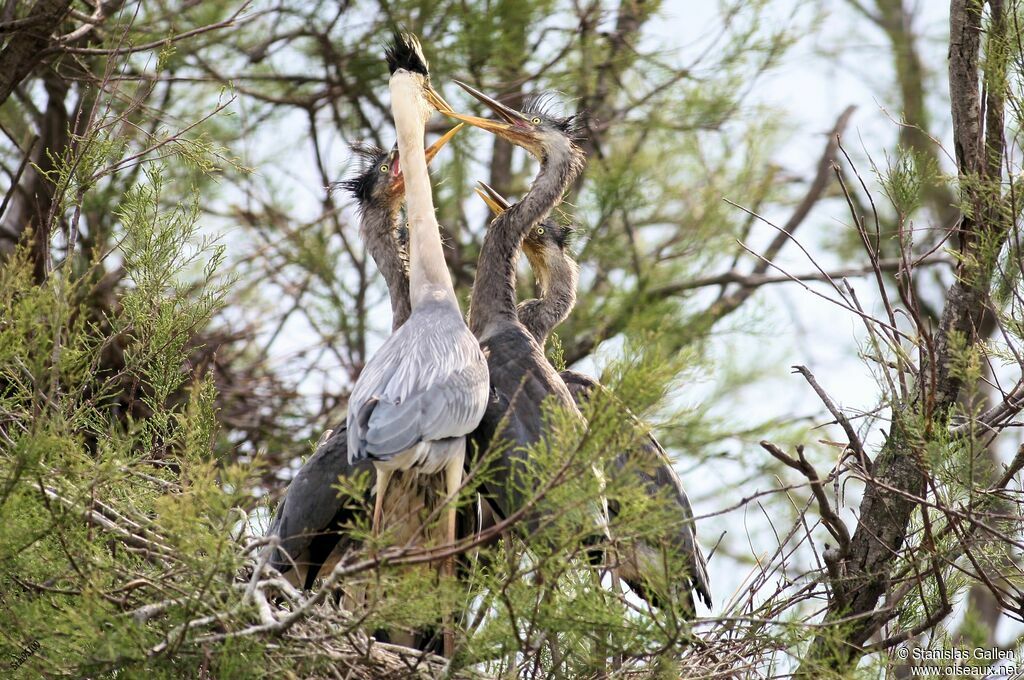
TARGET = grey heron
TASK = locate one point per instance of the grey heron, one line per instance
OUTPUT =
(557, 273)
(521, 378)
(380, 192)
(309, 522)
(425, 389)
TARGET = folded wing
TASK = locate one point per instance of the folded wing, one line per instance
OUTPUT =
(427, 382)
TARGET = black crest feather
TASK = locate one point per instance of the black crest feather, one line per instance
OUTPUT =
(404, 52)
(362, 183)
(563, 233)
(549, 106)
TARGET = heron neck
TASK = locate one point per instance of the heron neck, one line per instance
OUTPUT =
(557, 275)
(494, 291)
(378, 231)
(428, 273)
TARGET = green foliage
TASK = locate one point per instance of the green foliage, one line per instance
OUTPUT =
(141, 373)
(111, 494)
(904, 178)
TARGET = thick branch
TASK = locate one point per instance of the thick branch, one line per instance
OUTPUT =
(24, 51)
(884, 515)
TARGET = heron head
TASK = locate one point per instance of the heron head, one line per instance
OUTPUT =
(410, 73)
(536, 127)
(549, 238)
(380, 181)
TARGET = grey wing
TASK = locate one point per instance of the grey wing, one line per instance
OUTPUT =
(685, 535)
(664, 477)
(428, 382)
(311, 519)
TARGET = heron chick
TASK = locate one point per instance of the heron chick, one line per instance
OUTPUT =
(523, 382)
(379, 190)
(644, 567)
(557, 274)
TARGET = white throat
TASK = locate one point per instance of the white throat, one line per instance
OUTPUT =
(428, 273)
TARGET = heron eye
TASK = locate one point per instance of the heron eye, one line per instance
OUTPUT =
(384, 168)
(536, 121)
(540, 231)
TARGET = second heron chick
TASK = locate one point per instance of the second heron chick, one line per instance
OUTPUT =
(379, 189)
(557, 274)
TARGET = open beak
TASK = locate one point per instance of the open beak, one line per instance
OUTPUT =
(395, 163)
(430, 152)
(434, 148)
(495, 201)
(508, 122)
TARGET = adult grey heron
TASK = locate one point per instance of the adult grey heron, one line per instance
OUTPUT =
(425, 389)
(557, 274)
(309, 522)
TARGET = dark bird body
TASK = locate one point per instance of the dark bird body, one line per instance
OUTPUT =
(522, 380)
(557, 273)
(310, 521)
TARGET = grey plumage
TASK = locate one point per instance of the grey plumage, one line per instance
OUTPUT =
(546, 247)
(652, 463)
(426, 383)
(557, 274)
(379, 193)
(522, 380)
(310, 521)
(426, 388)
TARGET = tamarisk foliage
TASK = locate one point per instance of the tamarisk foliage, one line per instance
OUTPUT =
(185, 305)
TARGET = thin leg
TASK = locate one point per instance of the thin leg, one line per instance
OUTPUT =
(383, 477)
(453, 482)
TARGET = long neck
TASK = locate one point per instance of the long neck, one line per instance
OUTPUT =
(494, 290)
(378, 231)
(428, 273)
(557, 275)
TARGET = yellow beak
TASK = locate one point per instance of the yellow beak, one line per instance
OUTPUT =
(495, 201)
(434, 148)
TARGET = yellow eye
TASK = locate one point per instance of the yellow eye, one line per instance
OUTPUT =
(536, 121)
(384, 168)
(540, 231)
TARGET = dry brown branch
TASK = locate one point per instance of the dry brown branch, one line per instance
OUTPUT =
(757, 280)
(829, 518)
(854, 440)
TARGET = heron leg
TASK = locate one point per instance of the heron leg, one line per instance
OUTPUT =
(383, 477)
(453, 482)
(381, 486)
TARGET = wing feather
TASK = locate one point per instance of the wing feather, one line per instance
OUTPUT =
(428, 381)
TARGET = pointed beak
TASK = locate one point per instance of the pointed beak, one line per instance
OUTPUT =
(495, 201)
(430, 152)
(434, 148)
(495, 208)
(508, 123)
(435, 99)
